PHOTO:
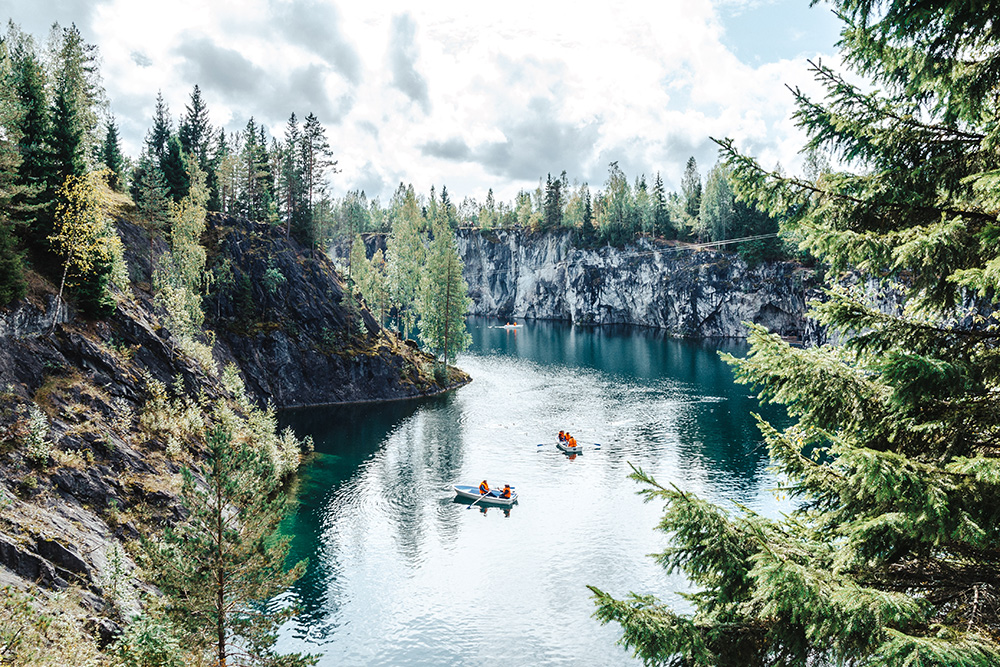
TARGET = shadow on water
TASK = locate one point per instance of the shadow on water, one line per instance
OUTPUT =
(408, 450)
(350, 445)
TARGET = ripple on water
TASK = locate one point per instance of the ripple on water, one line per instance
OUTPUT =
(401, 574)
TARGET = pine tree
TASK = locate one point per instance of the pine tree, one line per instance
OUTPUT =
(218, 567)
(292, 197)
(256, 183)
(443, 301)
(891, 557)
(223, 188)
(316, 161)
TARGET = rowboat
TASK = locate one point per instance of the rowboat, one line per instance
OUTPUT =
(512, 326)
(493, 498)
(569, 450)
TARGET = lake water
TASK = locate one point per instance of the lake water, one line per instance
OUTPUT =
(402, 574)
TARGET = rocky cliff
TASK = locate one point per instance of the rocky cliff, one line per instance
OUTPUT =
(514, 275)
(279, 312)
(95, 415)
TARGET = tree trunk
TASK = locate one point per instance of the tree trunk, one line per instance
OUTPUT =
(220, 575)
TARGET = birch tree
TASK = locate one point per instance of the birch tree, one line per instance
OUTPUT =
(444, 300)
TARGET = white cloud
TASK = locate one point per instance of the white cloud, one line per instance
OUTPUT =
(471, 95)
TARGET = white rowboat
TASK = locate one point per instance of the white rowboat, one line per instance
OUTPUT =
(493, 498)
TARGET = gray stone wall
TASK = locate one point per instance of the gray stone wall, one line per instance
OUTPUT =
(688, 292)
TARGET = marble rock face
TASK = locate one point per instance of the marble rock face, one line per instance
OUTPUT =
(688, 292)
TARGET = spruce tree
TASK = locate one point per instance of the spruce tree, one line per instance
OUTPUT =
(112, 157)
(587, 228)
(175, 169)
(33, 205)
(553, 203)
(152, 198)
(891, 557)
(12, 281)
(77, 97)
(159, 134)
(195, 130)
(661, 215)
(691, 188)
(222, 187)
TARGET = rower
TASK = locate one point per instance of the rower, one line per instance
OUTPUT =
(484, 488)
(506, 491)
(562, 437)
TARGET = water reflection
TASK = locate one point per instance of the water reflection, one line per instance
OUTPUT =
(394, 558)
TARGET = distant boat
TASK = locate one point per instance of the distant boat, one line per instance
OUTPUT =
(512, 326)
(493, 498)
(569, 450)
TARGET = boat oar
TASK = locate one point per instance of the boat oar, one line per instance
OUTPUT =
(477, 500)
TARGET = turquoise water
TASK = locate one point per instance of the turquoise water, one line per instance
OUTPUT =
(402, 574)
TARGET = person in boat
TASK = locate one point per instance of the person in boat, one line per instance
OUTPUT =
(562, 437)
(572, 441)
(506, 491)
(484, 488)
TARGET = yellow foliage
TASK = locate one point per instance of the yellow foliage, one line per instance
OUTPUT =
(84, 233)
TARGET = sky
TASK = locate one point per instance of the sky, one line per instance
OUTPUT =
(470, 95)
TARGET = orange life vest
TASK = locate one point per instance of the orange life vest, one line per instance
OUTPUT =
(484, 488)
(572, 442)
(506, 492)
